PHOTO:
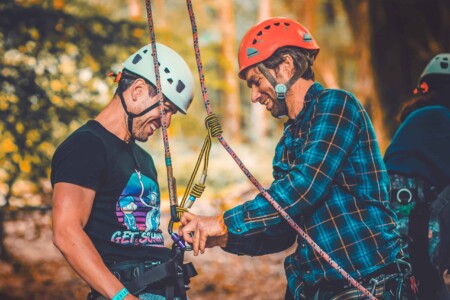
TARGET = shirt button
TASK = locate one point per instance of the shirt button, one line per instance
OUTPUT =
(308, 271)
(238, 230)
(303, 245)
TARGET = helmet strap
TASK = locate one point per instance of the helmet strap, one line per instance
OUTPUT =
(130, 115)
(280, 88)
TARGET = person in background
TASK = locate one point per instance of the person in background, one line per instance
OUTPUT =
(329, 176)
(103, 183)
(418, 162)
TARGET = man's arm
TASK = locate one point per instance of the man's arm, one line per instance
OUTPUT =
(72, 206)
(332, 134)
(208, 232)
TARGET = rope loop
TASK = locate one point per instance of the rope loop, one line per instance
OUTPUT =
(182, 210)
(197, 190)
(213, 125)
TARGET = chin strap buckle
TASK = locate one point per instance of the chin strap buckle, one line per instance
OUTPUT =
(280, 91)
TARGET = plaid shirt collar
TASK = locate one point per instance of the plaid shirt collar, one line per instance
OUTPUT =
(313, 91)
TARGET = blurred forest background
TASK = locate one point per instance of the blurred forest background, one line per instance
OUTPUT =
(54, 55)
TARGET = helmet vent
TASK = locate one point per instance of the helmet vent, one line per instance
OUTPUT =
(287, 24)
(145, 51)
(307, 37)
(170, 80)
(254, 41)
(137, 59)
(180, 86)
(267, 27)
(444, 65)
(252, 52)
(259, 33)
(276, 24)
(166, 70)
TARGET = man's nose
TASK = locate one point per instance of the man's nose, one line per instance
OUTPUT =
(255, 95)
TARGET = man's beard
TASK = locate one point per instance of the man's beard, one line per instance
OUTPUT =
(279, 109)
(139, 132)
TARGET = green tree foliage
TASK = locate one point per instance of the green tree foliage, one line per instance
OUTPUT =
(52, 78)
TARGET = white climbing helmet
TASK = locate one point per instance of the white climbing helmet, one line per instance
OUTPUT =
(177, 81)
(440, 64)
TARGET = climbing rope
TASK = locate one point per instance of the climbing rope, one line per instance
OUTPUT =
(266, 195)
(216, 132)
(170, 178)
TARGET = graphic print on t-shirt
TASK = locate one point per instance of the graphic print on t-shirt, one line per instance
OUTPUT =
(137, 209)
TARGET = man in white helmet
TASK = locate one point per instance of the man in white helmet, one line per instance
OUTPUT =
(105, 185)
(418, 163)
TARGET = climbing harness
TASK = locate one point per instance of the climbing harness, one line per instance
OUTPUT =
(169, 277)
(411, 200)
(393, 281)
(214, 130)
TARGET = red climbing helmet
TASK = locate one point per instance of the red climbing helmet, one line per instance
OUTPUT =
(261, 41)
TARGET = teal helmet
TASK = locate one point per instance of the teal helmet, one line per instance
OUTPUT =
(439, 65)
(177, 81)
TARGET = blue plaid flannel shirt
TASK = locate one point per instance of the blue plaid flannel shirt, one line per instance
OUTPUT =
(329, 176)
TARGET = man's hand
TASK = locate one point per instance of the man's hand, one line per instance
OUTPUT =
(203, 232)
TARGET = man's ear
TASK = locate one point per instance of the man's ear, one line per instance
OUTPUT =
(139, 88)
(286, 67)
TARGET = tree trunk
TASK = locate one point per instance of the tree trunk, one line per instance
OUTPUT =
(404, 36)
(135, 10)
(259, 117)
(365, 89)
(3, 252)
(2, 234)
(325, 67)
(161, 13)
(232, 126)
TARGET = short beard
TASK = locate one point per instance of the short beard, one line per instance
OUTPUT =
(138, 135)
(281, 109)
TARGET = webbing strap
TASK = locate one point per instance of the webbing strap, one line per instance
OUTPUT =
(280, 88)
(155, 274)
(176, 275)
(441, 202)
(266, 195)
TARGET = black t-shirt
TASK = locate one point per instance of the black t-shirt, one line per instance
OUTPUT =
(125, 216)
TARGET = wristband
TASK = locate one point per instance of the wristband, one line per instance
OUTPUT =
(222, 224)
(121, 294)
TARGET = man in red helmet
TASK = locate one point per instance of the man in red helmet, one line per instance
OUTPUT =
(329, 176)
